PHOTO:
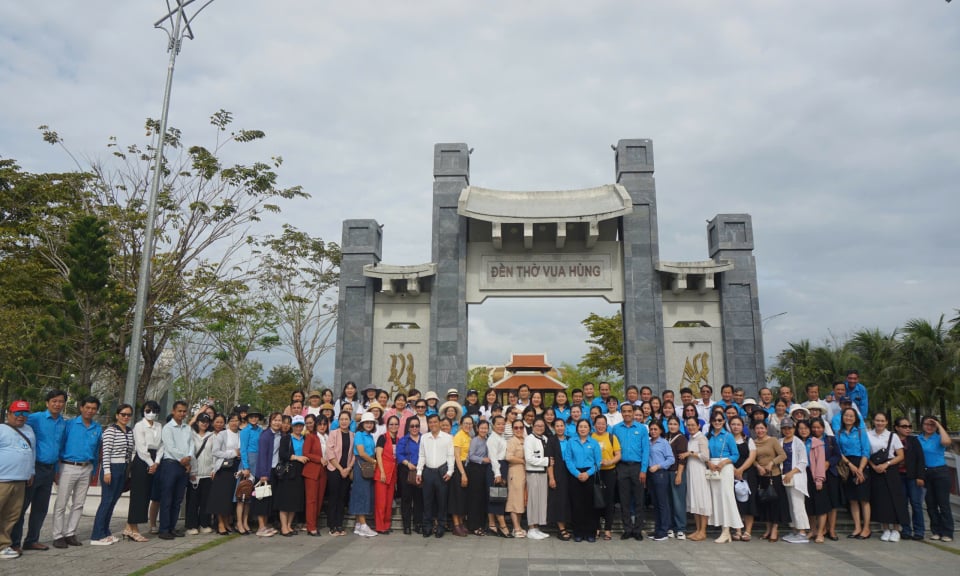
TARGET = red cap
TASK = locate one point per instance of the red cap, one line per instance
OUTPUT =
(20, 405)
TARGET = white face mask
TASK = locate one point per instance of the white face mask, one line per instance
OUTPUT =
(151, 416)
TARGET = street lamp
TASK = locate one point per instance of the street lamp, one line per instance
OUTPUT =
(176, 24)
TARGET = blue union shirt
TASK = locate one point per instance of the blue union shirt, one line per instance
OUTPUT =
(80, 441)
(634, 443)
(50, 432)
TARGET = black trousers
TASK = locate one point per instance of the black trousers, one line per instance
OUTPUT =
(411, 502)
(631, 495)
(434, 499)
(609, 478)
(584, 515)
(197, 498)
(478, 495)
(337, 489)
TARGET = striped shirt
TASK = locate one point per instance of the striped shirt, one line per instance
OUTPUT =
(117, 447)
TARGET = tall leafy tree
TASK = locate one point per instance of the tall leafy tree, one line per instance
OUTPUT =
(929, 359)
(300, 273)
(605, 355)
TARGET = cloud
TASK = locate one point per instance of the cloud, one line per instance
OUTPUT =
(834, 124)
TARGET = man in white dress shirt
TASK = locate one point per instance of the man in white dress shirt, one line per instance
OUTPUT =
(434, 469)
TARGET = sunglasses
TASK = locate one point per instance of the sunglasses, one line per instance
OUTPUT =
(904, 426)
(125, 414)
(21, 413)
(518, 427)
(718, 419)
(148, 412)
(414, 425)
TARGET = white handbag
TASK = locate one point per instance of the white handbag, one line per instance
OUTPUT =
(262, 490)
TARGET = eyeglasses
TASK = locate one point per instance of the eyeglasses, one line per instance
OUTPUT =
(904, 426)
(518, 427)
(125, 414)
(21, 413)
(421, 406)
(414, 425)
(718, 419)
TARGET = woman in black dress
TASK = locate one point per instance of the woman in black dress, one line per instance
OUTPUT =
(226, 449)
(558, 496)
(478, 468)
(289, 497)
(743, 470)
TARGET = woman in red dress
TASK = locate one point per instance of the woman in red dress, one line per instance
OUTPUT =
(385, 475)
(314, 471)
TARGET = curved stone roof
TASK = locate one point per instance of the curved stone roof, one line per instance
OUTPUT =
(585, 205)
(394, 272)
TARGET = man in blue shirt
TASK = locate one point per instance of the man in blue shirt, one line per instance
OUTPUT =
(632, 469)
(173, 473)
(17, 462)
(856, 391)
(726, 400)
(78, 454)
(604, 396)
(49, 426)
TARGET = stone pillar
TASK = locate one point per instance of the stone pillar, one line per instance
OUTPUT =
(643, 348)
(448, 308)
(730, 237)
(362, 244)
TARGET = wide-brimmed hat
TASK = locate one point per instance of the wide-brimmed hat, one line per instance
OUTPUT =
(749, 402)
(431, 395)
(451, 404)
(799, 408)
(254, 412)
(368, 417)
(453, 392)
(373, 405)
(314, 393)
(817, 405)
(327, 406)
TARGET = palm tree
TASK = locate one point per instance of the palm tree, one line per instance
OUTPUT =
(876, 353)
(929, 354)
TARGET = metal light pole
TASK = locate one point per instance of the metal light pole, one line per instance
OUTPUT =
(177, 26)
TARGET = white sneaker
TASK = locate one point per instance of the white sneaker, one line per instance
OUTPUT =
(192, 532)
(207, 530)
(105, 541)
(681, 536)
(894, 536)
(8, 553)
(537, 534)
(670, 534)
(358, 529)
(886, 536)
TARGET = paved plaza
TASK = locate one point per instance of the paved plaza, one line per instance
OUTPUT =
(397, 554)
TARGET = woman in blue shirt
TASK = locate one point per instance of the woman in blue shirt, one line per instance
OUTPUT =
(361, 495)
(290, 497)
(723, 453)
(561, 407)
(411, 495)
(855, 453)
(583, 461)
(934, 440)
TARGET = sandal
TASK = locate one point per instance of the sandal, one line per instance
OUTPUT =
(818, 540)
(745, 537)
(479, 532)
(519, 533)
(606, 535)
(135, 536)
(564, 535)
(736, 537)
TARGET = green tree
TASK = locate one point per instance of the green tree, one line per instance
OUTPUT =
(205, 209)
(929, 360)
(605, 356)
(300, 274)
(877, 362)
(275, 392)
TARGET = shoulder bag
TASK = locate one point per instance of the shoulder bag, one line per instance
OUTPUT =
(598, 487)
(883, 454)
(367, 469)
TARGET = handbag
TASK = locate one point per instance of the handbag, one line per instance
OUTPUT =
(883, 454)
(598, 500)
(367, 469)
(843, 469)
(262, 491)
(283, 470)
(712, 474)
(498, 494)
(244, 490)
(412, 477)
(767, 495)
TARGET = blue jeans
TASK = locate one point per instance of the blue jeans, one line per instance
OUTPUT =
(678, 502)
(173, 481)
(660, 494)
(938, 501)
(109, 495)
(914, 495)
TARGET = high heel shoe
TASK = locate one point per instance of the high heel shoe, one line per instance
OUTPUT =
(724, 537)
(135, 536)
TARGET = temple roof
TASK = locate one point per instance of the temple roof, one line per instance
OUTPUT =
(585, 205)
(528, 361)
(535, 380)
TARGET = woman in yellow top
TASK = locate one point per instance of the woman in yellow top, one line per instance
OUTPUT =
(457, 503)
(609, 456)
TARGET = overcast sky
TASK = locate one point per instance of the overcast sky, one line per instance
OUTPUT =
(835, 124)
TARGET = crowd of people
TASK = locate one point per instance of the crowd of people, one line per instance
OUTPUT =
(517, 469)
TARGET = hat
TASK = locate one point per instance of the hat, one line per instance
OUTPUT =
(450, 404)
(431, 395)
(816, 405)
(373, 405)
(243, 408)
(20, 406)
(453, 392)
(314, 393)
(327, 406)
(749, 402)
(472, 393)
(845, 400)
(368, 417)
(742, 490)
(298, 419)
(799, 408)
(786, 422)
(254, 412)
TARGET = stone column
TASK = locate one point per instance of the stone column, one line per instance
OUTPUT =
(448, 308)
(730, 237)
(362, 244)
(643, 348)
